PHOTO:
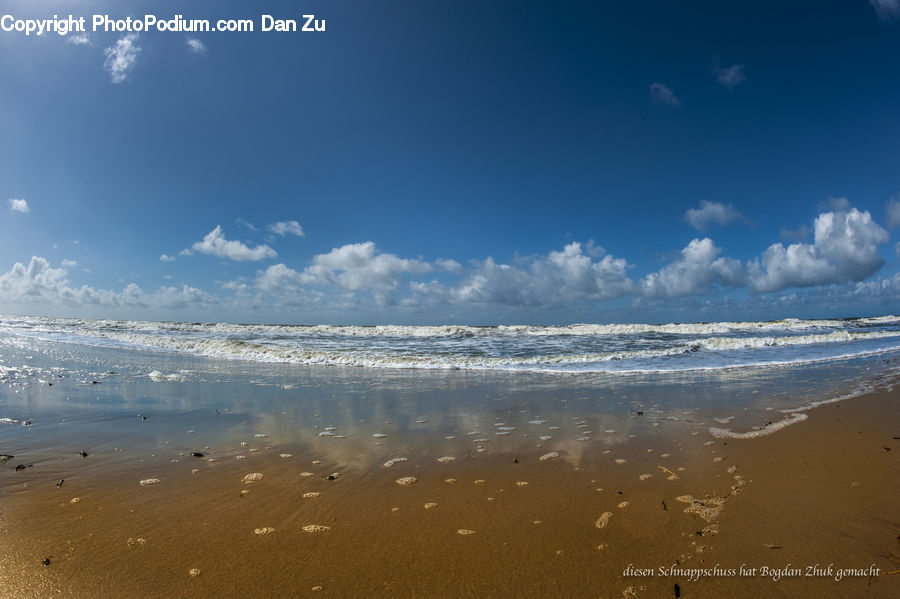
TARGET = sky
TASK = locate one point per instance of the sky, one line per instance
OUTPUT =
(455, 162)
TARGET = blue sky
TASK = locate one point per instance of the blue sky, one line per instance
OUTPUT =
(464, 162)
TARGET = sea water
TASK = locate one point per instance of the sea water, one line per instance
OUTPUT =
(368, 395)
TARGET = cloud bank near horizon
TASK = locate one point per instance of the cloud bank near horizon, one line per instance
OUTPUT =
(844, 252)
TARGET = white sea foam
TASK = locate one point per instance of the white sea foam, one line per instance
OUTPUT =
(572, 348)
(768, 429)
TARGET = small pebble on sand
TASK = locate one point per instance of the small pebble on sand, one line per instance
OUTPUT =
(430, 505)
(253, 477)
(311, 495)
(623, 505)
(465, 532)
(194, 572)
(645, 476)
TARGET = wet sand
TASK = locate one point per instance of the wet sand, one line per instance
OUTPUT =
(499, 524)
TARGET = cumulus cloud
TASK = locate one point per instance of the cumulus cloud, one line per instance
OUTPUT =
(887, 8)
(286, 227)
(554, 279)
(215, 244)
(195, 45)
(661, 94)
(68, 263)
(120, 57)
(892, 213)
(731, 76)
(695, 271)
(844, 249)
(39, 283)
(18, 205)
(359, 267)
(711, 213)
(166, 258)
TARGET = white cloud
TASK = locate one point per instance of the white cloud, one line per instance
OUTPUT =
(711, 213)
(286, 227)
(166, 258)
(695, 271)
(448, 265)
(80, 39)
(554, 279)
(68, 263)
(196, 46)
(359, 267)
(661, 94)
(887, 8)
(892, 213)
(39, 283)
(249, 225)
(731, 76)
(18, 205)
(120, 57)
(844, 249)
(215, 244)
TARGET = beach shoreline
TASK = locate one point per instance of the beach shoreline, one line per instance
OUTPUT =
(819, 493)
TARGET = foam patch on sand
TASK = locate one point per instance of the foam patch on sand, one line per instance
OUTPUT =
(603, 520)
(465, 532)
(266, 530)
(253, 477)
(311, 495)
(393, 462)
(446, 459)
(149, 481)
(313, 528)
(768, 429)
(549, 456)
(708, 509)
(406, 481)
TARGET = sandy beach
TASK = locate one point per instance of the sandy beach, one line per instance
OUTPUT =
(808, 511)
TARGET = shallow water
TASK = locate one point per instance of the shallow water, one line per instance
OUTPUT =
(116, 400)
